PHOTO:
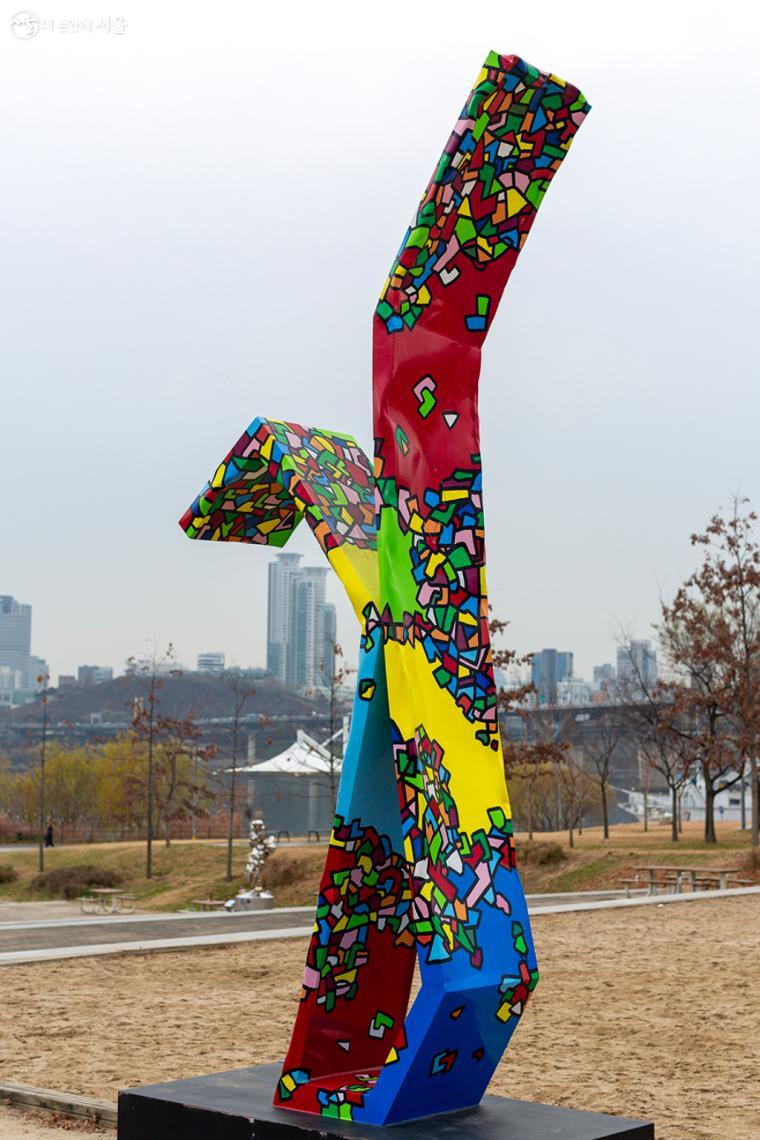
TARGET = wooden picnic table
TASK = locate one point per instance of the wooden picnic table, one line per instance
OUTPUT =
(106, 900)
(677, 875)
(209, 904)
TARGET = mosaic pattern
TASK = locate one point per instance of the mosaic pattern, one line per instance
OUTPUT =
(445, 552)
(453, 873)
(369, 892)
(421, 863)
(278, 473)
(511, 137)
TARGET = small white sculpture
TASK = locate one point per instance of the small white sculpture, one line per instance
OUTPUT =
(262, 846)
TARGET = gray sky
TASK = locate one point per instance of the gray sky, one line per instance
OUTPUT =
(198, 215)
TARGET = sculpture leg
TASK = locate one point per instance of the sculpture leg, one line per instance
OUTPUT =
(361, 955)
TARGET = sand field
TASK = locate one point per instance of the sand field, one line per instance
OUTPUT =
(649, 1012)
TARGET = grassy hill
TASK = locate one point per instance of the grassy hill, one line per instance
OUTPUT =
(206, 695)
(190, 870)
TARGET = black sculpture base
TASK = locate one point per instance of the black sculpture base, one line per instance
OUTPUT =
(237, 1105)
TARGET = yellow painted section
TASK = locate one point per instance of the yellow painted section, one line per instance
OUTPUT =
(357, 569)
(477, 771)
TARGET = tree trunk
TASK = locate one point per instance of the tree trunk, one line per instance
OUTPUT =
(646, 809)
(231, 818)
(755, 778)
(710, 836)
(674, 816)
(530, 810)
(570, 837)
(605, 813)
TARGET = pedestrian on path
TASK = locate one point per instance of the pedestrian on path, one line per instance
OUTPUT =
(49, 836)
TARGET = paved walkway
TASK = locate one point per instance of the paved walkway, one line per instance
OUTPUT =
(32, 932)
(36, 940)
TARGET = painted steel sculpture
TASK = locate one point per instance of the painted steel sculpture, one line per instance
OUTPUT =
(421, 863)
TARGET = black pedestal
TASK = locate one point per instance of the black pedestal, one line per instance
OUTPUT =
(237, 1105)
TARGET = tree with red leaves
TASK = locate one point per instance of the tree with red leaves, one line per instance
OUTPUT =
(711, 635)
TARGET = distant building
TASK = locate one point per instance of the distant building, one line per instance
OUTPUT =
(548, 668)
(66, 681)
(300, 624)
(16, 637)
(94, 674)
(573, 691)
(307, 668)
(144, 666)
(604, 678)
(637, 666)
(279, 611)
(211, 662)
(10, 685)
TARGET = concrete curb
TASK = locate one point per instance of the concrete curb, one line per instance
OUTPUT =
(126, 919)
(53, 954)
(648, 900)
(83, 1107)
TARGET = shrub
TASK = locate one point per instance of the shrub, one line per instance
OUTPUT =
(8, 874)
(283, 869)
(540, 854)
(71, 882)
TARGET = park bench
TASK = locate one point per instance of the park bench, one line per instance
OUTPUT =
(209, 904)
(315, 833)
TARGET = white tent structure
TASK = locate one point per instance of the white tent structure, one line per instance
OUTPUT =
(294, 792)
(304, 757)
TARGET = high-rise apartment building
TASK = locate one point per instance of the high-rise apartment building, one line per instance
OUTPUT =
(210, 662)
(300, 624)
(637, 666)
(307, 666)
(16, 637)
(279, 610)
(548, 668)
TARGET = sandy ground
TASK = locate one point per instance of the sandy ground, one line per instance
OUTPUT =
(37, 1126)
(651, 1012)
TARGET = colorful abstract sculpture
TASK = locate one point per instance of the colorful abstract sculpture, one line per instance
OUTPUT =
(421, 862)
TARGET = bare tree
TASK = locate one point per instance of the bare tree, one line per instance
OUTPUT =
(146, 725)
(176, 785)
(660, 729)
(577, 790)
(240, 696)
(729, 580)
(530, 760)
(599, 748)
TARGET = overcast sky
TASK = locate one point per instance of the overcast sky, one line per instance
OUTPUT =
(197, 217)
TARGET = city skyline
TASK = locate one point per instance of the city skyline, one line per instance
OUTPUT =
(556, 666)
